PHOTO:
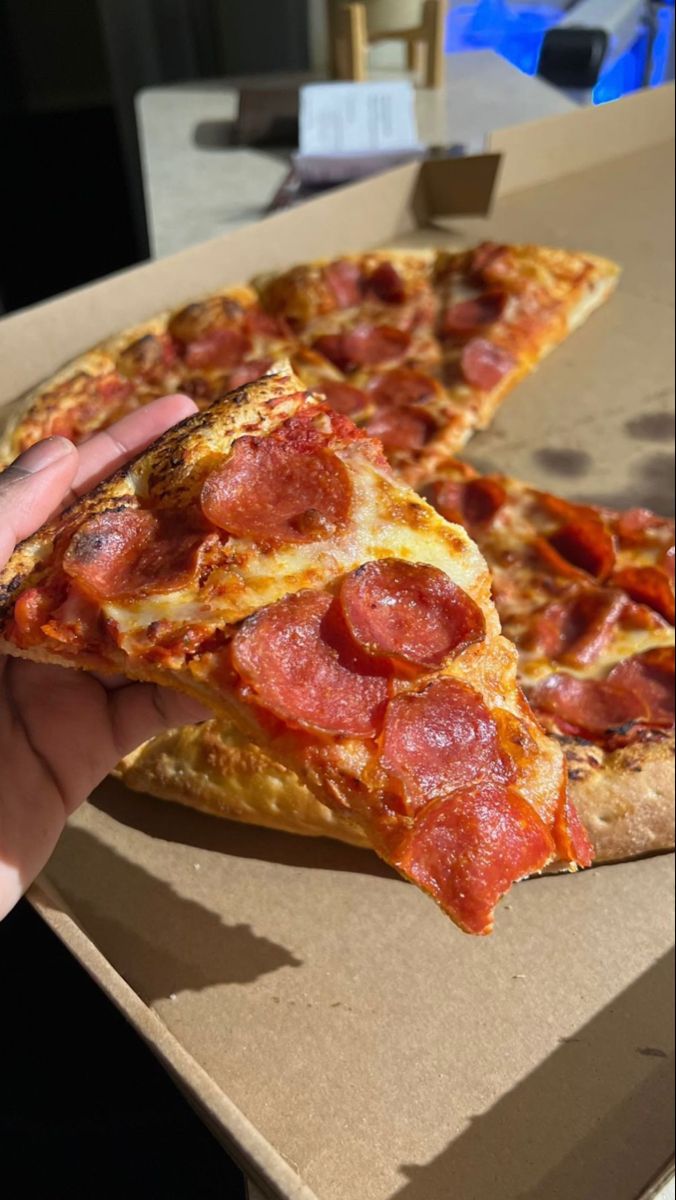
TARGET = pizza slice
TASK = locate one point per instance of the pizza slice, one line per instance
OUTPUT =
(203, 349)
(587, 596)
(262, 558)
(418, 347)
(429, 343)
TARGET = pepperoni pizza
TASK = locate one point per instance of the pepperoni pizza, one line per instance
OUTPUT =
(418, 347)
(586, 594)
(262, 558)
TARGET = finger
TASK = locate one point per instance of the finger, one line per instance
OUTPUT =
(32, 488)
(102, 454)
(141, 711)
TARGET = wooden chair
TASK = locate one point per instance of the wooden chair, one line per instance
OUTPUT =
(350, 40)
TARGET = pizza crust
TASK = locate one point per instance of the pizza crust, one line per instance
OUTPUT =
(100, 360)
(625, 798)
(215, 769)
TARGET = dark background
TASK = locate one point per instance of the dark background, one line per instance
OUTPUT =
(72, 199)
(84, 1108)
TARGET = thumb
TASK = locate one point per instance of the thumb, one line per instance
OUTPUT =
(32, 488)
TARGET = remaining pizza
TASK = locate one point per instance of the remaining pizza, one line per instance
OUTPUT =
(587, 596)
(262, 558)
(205, 350)
(418, 347)
(428, 344)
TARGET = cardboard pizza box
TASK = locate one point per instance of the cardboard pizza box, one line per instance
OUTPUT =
(339, 1035)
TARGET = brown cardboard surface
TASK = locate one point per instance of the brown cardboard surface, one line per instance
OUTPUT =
(330, 1022)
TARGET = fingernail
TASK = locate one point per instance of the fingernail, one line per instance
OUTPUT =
(43, 455)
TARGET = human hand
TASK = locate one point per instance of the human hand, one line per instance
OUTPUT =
(62, 731)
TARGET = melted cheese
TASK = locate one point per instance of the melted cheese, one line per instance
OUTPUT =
(387, 522)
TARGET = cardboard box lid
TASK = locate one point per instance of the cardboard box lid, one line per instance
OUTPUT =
(330, 1022)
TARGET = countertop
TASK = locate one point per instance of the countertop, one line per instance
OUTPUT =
(196, 186)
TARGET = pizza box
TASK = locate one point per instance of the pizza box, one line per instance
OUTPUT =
(339, 1035)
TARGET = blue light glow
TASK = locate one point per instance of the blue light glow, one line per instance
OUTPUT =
(516, 31)
(626, 75)
(665, 32)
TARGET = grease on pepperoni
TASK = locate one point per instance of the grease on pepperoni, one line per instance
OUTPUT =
(409, 612)
(299, 663)
(588, 708)
(468, 849)
(285, 487)
(650, 586)
(473, 502)
(440, 739)
(636, 525)
(366, 345)
(150, 357)
(217, 348)
(577, 627)
(401, 387)
(345, 281)
(469, 317)
(387, 284)
(128, 552)
(650, 677)
(343, 397)
(585, 542)
(401, 429)
(484, 365)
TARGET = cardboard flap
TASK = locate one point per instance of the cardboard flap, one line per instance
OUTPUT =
(455, 187)
(546, 150)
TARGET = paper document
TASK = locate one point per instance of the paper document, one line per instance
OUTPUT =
(357, 118)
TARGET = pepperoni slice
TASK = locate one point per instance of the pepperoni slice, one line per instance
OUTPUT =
(635, 525)
(468, 849)
(650, 586)
(302, 667)
(587, 544)
(31, 612)
(345, 280)
(369, 345)
(278, 489)
(260, 323)
(587, 707)
(484, 256)
(409, 612)
(650, 676)
(217, 348)
(343, 397)
(469, 317)
(195, 320)
(364, 346)
(669, 563)
(128, 551)
(401, 429)
(440, 739)
(473, 503)
(401, 387)
(570, 835)
(387, 284)
(248, 372)
(555, 563)
(150, 356)
(578, 627)
(484, 365)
